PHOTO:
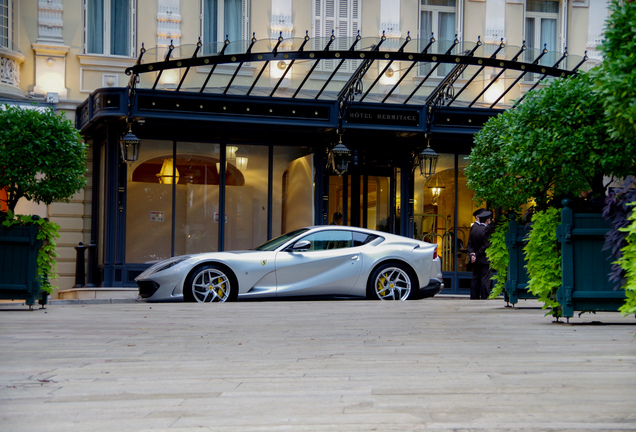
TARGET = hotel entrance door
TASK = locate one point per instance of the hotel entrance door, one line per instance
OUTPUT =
(366, 198)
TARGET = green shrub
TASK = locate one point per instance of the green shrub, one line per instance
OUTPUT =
(497, 253)
(628, 262)
(543, 254)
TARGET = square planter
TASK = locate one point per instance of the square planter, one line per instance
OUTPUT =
(516, 286)
(585, 266)
(18, 264)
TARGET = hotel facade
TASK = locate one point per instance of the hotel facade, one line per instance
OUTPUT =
(218, 124)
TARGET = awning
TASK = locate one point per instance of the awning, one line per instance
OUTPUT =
(373, 70)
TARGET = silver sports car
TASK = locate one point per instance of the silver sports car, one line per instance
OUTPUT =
(327, 260)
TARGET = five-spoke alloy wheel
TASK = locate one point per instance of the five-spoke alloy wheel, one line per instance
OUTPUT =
(209, 284)
(390, 282)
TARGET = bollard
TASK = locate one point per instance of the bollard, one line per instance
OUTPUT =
(79, 266)
(90, 275)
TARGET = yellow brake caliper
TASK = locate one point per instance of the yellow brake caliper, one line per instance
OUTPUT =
(221, 291)
(381, 290)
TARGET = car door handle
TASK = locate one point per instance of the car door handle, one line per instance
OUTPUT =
(355, 258)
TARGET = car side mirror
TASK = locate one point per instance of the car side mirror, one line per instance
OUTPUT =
(301, 246)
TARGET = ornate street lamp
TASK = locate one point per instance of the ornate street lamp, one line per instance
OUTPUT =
(427, 160)
(129, 146)
(338, 158)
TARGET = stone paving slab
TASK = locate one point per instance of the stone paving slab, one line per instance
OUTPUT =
(441, 364)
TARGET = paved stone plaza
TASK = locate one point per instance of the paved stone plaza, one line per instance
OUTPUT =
(442, 364)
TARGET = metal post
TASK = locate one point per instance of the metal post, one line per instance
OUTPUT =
(90, 275)
(80, 275)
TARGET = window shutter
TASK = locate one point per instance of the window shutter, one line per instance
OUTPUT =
(329, 18)
(329, 23)
(343, 19)
(317, 18)
(561, 25)
(246, 20)
(84, 23)
(132, 28)
(355, 17)
(354, 21)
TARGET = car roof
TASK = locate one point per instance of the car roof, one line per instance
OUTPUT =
(345, 228)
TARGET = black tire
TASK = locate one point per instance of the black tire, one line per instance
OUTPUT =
(210, 284)
(392, 281)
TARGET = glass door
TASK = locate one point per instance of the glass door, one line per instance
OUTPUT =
(364, 199)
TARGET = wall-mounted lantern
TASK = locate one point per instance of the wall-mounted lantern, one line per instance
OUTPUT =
(339, 157)
(427, 160)
(129, 146)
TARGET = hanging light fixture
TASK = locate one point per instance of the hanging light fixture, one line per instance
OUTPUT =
(338, 158)
(230, 154)
(427, 160)
(129, 146)
(435, 187)
(241, 162)
(166, 176)
(231, 158)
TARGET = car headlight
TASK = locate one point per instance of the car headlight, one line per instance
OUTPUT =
(165, 265)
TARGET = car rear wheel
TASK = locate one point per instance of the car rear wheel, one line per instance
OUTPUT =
(210, 284)
(390, 282)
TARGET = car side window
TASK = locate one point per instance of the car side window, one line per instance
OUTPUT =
(326, 240)
(360, 239)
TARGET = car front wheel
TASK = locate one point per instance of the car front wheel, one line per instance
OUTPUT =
(210, 284)
(390, 282)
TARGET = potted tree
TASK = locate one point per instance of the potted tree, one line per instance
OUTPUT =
(42, 159)
(618, 96)
(555, 144)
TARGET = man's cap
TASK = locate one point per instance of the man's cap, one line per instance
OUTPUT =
(476, 212)
(485, 214)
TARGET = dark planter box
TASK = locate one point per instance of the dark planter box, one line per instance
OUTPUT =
(18, 264)
(516, 286)
(585, 267)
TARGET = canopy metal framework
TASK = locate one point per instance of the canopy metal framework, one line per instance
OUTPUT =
(407, 72)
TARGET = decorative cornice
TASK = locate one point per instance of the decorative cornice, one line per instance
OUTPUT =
(50, 49)
(13, 55)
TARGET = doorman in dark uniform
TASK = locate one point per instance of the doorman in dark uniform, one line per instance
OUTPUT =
(477, 245)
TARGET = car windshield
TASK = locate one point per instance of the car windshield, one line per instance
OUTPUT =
(274, 243)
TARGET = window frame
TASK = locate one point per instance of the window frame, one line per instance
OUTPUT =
(220, 21)
(106, 44)
(537, 18)
(10, 27)
(435, 11)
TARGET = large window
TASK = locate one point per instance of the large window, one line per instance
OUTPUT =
(109, 27)
(437, 18)
(542, 23)
(223, 18)
(542, 17)
(6, 24)
(175, 203)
